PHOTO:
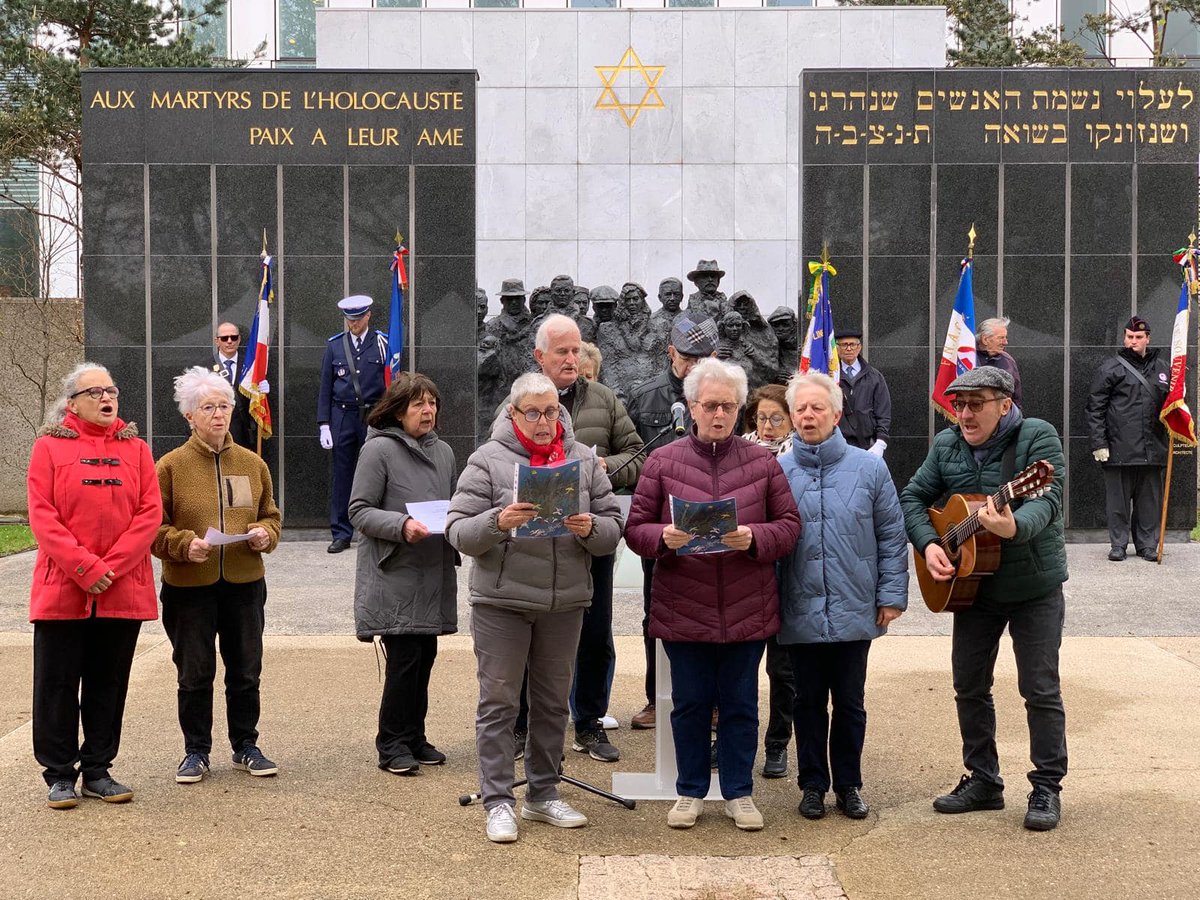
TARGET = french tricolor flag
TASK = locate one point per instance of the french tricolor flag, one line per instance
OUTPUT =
(255, 370)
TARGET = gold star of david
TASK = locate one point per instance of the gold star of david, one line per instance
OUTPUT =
(650, 99)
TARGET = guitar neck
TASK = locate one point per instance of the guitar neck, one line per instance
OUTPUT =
(958, 535)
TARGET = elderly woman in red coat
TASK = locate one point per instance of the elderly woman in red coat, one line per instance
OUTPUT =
(94, 507)
(714, 611)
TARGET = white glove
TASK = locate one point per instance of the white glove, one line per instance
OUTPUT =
(1101, 455)
(326, 438)
(877, 448)
(264, 386)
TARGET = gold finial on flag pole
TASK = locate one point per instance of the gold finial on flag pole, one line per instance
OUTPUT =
(971, 242)
(264, 247)
(399, 239)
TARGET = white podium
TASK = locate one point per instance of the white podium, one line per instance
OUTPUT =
(659, 784)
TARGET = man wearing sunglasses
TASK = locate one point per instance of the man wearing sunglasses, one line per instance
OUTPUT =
(866, 400)
(990, 444)
(226, 359)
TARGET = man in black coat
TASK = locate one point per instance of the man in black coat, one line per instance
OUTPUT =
(866, 400)
(1129, 441)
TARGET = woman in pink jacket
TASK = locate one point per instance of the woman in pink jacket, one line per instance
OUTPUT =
(94, 507)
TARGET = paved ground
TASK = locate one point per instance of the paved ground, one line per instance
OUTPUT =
(332, 825)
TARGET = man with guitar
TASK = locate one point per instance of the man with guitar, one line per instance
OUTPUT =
(991, 443)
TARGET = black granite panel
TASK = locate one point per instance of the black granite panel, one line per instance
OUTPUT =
(372, 275)
(246, 206)
(846, 288)
(313, 201)
(445, 210)
(114, 210)
(180, 130)
(1035, 299)
(378, 209)
(1034, 209)
(906, 370)
(1101, 291)
(832, 203)
(181, 301)
(306, 501)
(1159, 281)
(961, 133)
(899, 210)
(179, 211)
(238, 281)
(949, 273)
(1101, 208)
(904, 456)
(836, 123)
(463, 446)
(899, 308)
(453, 371)
(166, 363)
(892, 117)
(127, 365)
(1085, 506)
(1084, 362)
(1093, 137)
(325, 137)
(1181, 511)
(303, 372)
(1034, 121)
(1166, 201)
(312, 287)
(1042, 382)
(165, 443)
(115, 312)
(122, 138)
(445, 294)
(967, 195)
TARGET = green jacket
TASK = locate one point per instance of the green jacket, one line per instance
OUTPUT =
(1034, 561)
(600, 421)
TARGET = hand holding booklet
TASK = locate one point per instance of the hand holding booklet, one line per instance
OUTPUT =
(554, 490)
(706, 520)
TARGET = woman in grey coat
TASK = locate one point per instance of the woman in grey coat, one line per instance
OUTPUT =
(844, 582)
(527, 598)
(405, 589)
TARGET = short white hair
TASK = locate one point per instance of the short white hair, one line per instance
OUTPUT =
(552, 322)
(710, 369)
(531, 383)
(70, 385)
(988, 326)
(197, 383)
(819, 379)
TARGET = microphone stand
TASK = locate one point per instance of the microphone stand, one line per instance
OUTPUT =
(663, 432)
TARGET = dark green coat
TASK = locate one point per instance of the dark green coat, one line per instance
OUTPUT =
(1034, 561)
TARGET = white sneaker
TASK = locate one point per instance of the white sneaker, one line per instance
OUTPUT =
(744, 813)
(501, 824)
(553, 812)
(685, 812)
(608, 723)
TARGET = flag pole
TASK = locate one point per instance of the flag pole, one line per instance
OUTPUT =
(257, 426)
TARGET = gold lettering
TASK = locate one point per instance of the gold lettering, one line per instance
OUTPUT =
(112, 100)
(452, 137)
(276, 99)
(273, 136)
(372, 137)
(319, 135)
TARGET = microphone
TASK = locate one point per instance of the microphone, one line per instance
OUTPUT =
(677, 412)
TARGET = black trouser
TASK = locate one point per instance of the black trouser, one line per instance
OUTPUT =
(194, 618)
(783, 695)
(80, 673)
(405, 699)
(1035, 627)
(651, 673)
(1139, 488)
(589, 692)
(829, 753)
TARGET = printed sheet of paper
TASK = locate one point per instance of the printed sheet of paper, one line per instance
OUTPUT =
(430, 513)
(219, 538)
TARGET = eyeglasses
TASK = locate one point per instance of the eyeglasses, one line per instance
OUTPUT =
(229, 337)
(975, 405)
(848, 345)
(208, 409)
(97, 393)
(711, 407)
(532, 415)
(775, 420)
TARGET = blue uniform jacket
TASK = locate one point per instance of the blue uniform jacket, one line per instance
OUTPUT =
(336, 383)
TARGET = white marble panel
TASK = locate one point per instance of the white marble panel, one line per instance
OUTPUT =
(708, 48)
(545, 259)
(552, 46)
(760, 267)
(394, 39)
(254, 24)
(604, 203)
(657, 36)
(603, 36)
(551, 202)
(500, 202)
(495, 261)
(795, 283)
(760, 47)
(792, 196)
(814, 40)
(446, 40)
(867, 37)
(657, 135)
(918, 37)
(447, 4)
(341, 35)
(500, 125)
(603, 135)
(721, 251)
(759, 204)
(760, 125)
(708, 115)
(793, 124)
(741, 4)
(499, 41)
(603, 262)
(652, 261)
(551, 125)
(655, 209)
(639, 4)
(545, 4)
(708, 202)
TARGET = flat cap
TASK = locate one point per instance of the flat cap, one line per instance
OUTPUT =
(694, 338)
(981, 378)
(512, 287)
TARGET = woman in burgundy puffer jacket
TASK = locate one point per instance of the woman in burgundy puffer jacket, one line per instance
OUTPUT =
(714, 611)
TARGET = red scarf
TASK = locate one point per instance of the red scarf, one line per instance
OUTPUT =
(543, 454)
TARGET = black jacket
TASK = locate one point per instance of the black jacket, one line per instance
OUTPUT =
(241, 424)
(866, 407)
(1123, 416)
(650, 407)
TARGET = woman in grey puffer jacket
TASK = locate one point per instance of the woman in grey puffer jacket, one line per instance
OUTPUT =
(527, 598)
(405, 589)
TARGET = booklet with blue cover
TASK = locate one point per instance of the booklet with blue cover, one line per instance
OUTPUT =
(554, 490)
(707, 520)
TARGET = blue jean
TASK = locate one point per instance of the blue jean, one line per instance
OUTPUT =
(705, 676)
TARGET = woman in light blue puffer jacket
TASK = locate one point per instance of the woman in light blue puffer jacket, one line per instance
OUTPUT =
(845, 580)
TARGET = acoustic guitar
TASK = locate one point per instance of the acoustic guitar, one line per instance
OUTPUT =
(974, 551)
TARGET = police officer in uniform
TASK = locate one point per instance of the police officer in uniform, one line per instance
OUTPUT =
(351, 381)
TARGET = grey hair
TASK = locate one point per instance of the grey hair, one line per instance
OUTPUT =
(819, 379)
(592, 352)
(988, 326)
(531, 383)
(552, 322)
(197, 383)
(709, 369)
(70, 385)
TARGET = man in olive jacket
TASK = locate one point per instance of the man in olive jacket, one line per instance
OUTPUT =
(991, 444)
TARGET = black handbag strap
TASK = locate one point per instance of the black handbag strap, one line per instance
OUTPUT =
(1135, 373)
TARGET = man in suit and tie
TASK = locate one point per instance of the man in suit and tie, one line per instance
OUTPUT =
(227, 362)
(866, 400)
